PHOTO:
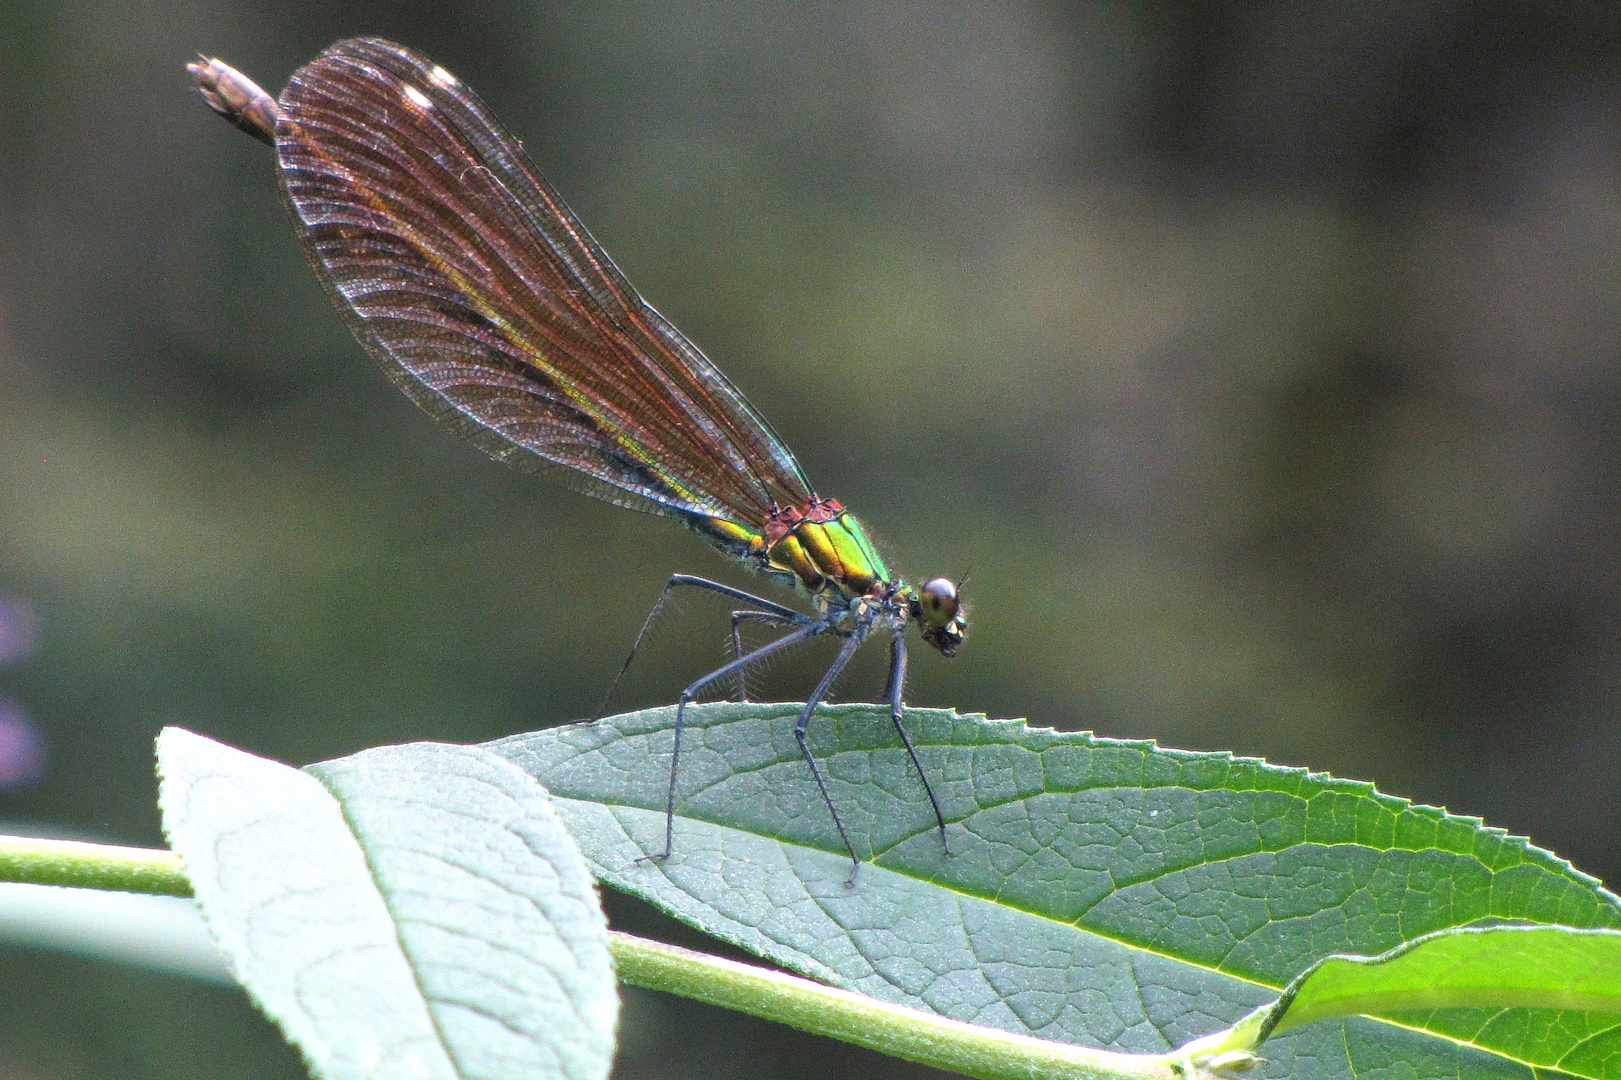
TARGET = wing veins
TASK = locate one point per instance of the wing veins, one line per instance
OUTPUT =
(398, 209)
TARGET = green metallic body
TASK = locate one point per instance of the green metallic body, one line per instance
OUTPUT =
(826, 557)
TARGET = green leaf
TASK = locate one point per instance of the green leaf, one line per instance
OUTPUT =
(1553, 994)
(1548, 995)
(1103, 892)
(412, 911)
(1543, 967)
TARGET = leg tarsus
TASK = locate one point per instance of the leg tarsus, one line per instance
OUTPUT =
(851, 644)
(897, 684)
(795, 637)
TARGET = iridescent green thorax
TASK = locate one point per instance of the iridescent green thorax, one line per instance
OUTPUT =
(826, 550)
(819, 550)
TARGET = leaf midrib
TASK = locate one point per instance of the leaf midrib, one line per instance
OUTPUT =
(1122, 942)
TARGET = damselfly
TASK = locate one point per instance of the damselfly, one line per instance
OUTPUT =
(466, 277)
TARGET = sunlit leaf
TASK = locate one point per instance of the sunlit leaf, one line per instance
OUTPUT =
(411, 911)
(1548, 995)
(1098, 891)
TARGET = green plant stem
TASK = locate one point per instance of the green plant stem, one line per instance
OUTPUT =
(891, 1029)
(36, 861)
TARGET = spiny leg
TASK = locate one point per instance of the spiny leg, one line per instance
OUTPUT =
(803, 633)
(679, 580)
(851, 644)
(737, 642)
(897, 684)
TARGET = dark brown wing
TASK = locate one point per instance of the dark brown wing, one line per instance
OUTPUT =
(461, 271)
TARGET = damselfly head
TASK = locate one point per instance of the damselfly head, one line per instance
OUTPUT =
(941, 615)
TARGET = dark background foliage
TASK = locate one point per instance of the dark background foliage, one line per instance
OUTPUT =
(1259, 361)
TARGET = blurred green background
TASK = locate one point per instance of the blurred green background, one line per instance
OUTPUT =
(1259, 361)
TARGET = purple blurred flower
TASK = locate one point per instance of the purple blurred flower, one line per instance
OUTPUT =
(22, 748)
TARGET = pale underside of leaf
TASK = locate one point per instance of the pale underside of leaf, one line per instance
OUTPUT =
(411, 911)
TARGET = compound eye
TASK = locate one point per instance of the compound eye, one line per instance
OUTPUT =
(937, 598)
